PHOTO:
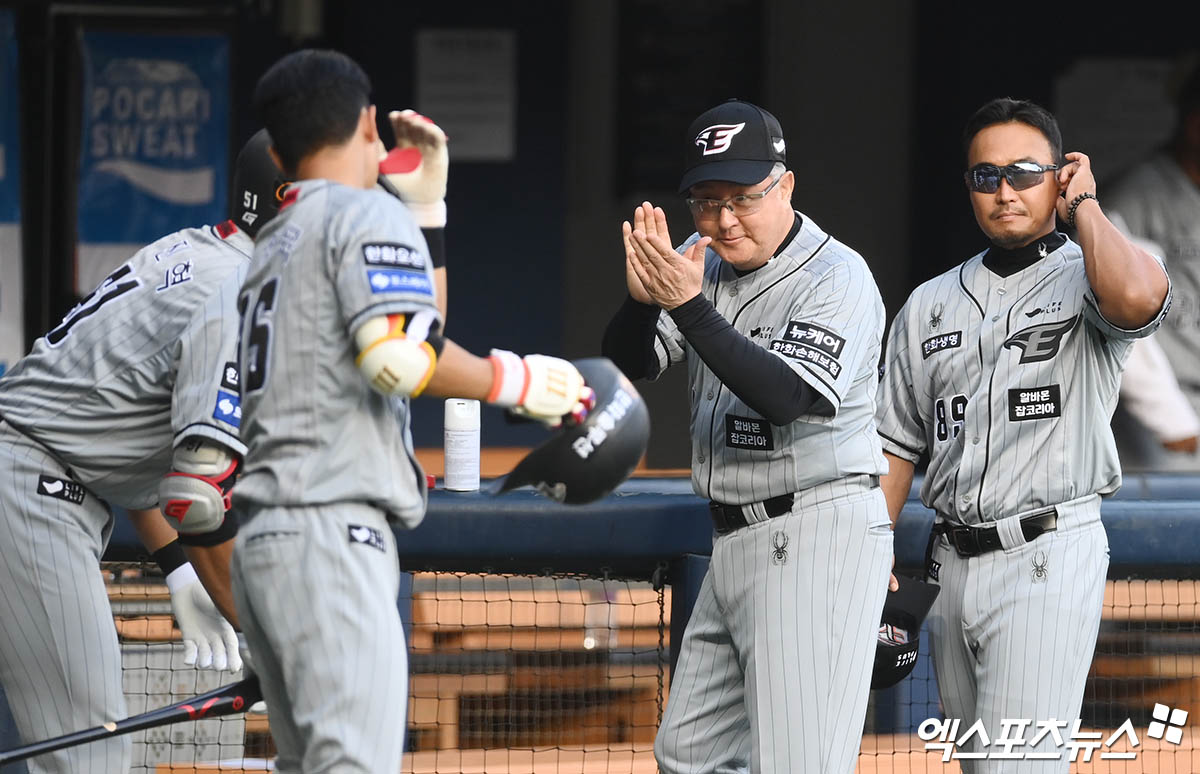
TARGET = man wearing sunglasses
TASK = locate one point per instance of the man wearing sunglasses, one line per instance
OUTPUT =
(1004, 371)
(779, 326)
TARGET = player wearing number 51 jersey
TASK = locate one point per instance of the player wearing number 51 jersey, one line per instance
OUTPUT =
(1004, 372)
(132, 400)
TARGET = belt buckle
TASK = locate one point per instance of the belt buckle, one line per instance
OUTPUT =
(959, 536)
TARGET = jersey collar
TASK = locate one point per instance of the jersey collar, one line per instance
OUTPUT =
(1004, 263)
(233, 236)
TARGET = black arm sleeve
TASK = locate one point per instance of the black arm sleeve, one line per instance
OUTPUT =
(629, 338)
(435, 239)
(761, 380)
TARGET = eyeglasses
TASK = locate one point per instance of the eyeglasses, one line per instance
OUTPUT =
(740, 205)
(985, 178)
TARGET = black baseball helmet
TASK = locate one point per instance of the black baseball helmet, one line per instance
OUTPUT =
(258, 185)
(584, 462)
(899, 630)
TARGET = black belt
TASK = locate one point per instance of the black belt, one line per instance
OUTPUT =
(727, 518)
(973, 541)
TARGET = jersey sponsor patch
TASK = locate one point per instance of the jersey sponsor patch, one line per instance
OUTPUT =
(60, 489)
(230, 379)
(807, 354)
(1041, 342)
(393, 254)
(945, 341)
(1034, 403)
(748, 433)
(229, 408)
(399, 281)
(367, 536)
(815, 336)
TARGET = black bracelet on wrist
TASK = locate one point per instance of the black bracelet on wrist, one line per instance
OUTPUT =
(170, 557)
(1078, 200)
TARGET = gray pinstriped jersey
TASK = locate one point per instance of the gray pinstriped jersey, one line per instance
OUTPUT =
(1009, 384)
(144, 361)
(817, 307)
(315, 431)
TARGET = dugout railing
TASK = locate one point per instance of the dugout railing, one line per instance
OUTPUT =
(514, 642)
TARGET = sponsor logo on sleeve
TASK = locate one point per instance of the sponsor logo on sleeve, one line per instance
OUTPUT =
(939, 343)
(230, 379)
(811, 344)
(60, 489)
(748, 433)
(1034, 403)
(393, 255)
(229, 408)
(399, 281)
(1041, 342)
(367, 536)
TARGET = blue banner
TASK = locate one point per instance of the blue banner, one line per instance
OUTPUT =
(10, 123)
(155, 147)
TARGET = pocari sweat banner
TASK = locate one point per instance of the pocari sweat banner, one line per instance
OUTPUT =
(154, 152)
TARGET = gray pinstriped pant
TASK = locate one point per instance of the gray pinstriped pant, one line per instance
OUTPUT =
(1014, 630)
(775, 664)
(60, 662)
(319, 613)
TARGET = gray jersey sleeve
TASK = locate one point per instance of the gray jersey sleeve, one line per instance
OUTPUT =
(1091, 312)
(384, 269)
(206, 401)
(900, 423)
(828, 333)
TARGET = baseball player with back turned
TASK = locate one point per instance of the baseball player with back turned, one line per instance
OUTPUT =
(779, 325)
(131, 400)
(1004, 371)
(339, 328)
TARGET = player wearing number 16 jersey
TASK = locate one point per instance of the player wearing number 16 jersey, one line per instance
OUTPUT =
(1004, 372)
(340, 328)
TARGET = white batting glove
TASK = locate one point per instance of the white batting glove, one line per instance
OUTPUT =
(544, 388)
(418, 166)
(209, 641)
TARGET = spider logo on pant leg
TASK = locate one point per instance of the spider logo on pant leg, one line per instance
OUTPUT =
(779, 542)
(1040, 573)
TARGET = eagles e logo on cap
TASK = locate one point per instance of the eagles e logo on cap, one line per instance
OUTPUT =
(735, 142)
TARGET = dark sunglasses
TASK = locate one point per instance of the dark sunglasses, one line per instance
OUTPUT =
(985, 178)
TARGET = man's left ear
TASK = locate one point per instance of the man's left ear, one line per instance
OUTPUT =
(788, 184)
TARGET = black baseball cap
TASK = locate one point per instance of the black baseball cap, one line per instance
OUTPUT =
(735, 142)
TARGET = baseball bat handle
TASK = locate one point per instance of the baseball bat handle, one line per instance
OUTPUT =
(228, 700)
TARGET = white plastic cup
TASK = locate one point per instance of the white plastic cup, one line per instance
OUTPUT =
(462, 445)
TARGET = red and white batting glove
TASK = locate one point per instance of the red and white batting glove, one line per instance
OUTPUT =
(548, 389)
(418, 166)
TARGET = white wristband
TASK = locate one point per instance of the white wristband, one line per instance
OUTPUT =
(182, 576)
(509, 378)
(428, 214)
